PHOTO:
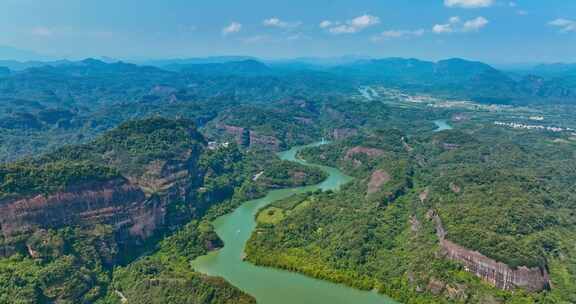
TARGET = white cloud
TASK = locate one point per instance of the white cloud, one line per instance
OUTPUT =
(351, 26)
(392, 34)
(276, 22)
(565, 25)
(326, 24)
(42, 31)
(475, 24)
(343, 29)
(273, 38)
(234, 27)
(447, 27)
(364, 21)
(255, 39)
(454, 20)
(468, 3)
(442, 28)
(298, 36)
(456, 25)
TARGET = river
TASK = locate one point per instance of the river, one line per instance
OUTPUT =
(368, 93)
(441, 125)
(269, 285)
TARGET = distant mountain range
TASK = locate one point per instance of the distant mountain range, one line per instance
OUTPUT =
(245, 67)
(458, 78)
(451, 78)
(558, 69)
(22, 65)
(11, 53)
(164, 63)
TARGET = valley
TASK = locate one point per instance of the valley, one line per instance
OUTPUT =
(198, 183)
(442, 125)
(268, 285)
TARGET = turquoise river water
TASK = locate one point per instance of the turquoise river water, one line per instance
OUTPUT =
(269, 285)
(441, 125)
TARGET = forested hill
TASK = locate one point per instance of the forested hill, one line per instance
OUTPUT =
(56, 103)
(110, 174)
(69, 217)
(479, 215)
(458, 78)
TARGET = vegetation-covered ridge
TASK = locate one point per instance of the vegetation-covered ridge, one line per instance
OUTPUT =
(502, 189)
(46, 105)
(494, 192)
(70, 216)
(120, 151)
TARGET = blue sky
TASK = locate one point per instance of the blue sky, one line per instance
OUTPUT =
(490, 30)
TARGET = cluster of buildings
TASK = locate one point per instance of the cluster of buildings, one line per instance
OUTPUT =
(403, 97)
(213, 145)
(516, 125)
(435, 102)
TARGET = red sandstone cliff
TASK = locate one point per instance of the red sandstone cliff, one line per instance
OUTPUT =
(113, 202)
(496, 273)
(136, 207)
(252, 139)
(343, 133)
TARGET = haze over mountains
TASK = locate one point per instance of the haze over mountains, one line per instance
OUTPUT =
(112, 174)
(455, 78)
(287, 152)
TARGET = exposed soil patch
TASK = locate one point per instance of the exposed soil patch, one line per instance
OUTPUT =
(378, 178)
(370, 152)
(455, 188)
(424, 195)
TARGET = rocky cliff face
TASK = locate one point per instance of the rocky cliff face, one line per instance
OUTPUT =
(252, 139)
(240, 134)
(266, 142)
(137, 204)
(343, 133)
(113, 202)
(496, 273)
(377, 179)
(134, 215)
(368, 152)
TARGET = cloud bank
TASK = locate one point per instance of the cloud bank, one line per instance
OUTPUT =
(455, 25)
(565, 25)
(278, 23)
(234, 27)
(351, 26)
(468, 3)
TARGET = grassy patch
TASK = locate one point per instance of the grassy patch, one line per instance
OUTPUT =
(270, 215)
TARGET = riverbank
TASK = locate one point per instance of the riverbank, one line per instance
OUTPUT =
(269, 285)
(441, 125)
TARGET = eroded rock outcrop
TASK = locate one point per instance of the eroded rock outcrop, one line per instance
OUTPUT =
(343, 133)
(423, 196)
(135, 203)
(258, 140)
(237, 132)
(114, 202)
(368, 152)
(135, 211)
(249, 138)
(377, 179)
(496, 273)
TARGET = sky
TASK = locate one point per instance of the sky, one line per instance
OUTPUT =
(496, 31)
